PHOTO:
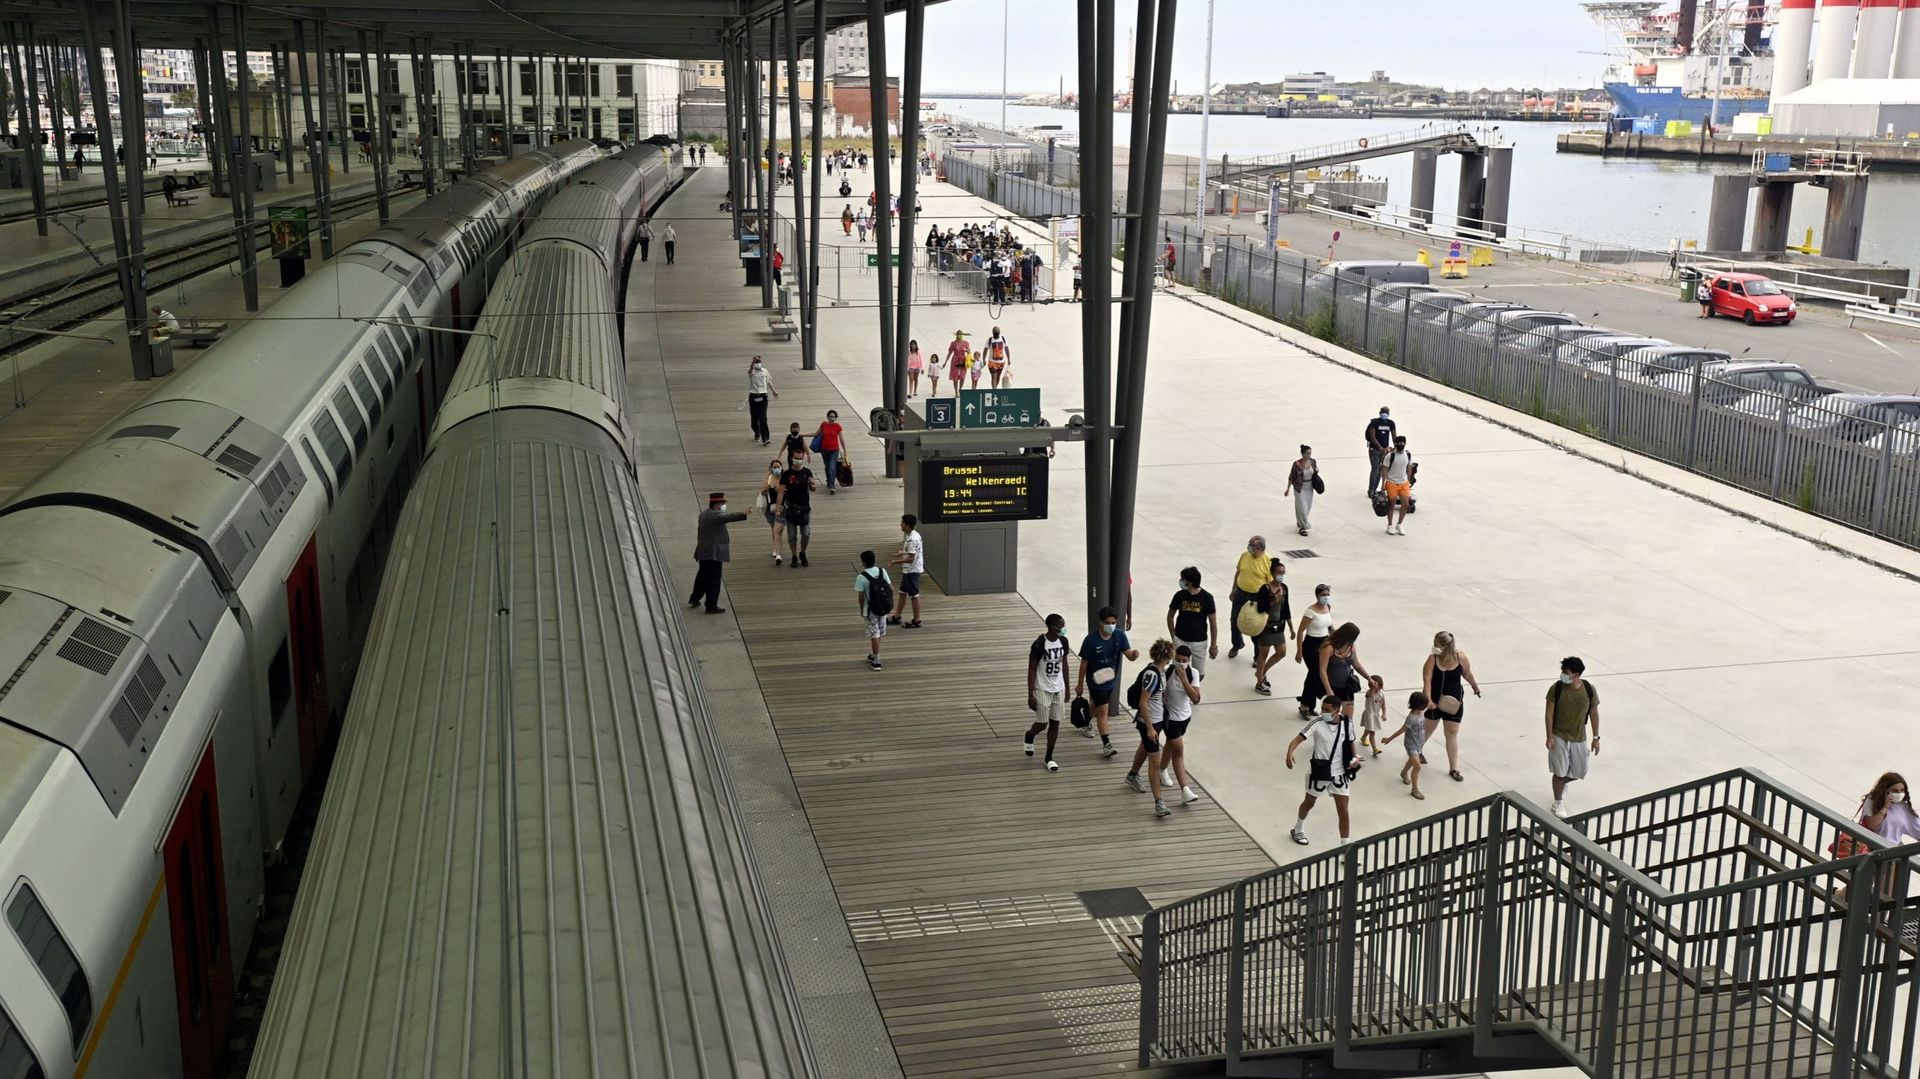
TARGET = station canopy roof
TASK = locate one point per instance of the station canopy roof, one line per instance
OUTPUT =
(640, 29)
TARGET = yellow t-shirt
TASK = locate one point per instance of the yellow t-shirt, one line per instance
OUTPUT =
(1252, 573)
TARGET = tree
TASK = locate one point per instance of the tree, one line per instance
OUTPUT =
(186, 98)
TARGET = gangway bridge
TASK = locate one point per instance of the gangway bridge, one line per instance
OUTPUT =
(1486, 171)
(1711, 929)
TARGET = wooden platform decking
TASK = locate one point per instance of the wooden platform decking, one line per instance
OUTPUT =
(960, 865)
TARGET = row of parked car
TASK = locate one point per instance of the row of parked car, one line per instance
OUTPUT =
(1403, 290)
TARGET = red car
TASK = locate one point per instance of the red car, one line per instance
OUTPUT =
(1750, 298)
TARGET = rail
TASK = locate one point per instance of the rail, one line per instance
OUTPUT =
(1696, 930)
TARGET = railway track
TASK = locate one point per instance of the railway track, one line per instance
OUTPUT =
(85, 298)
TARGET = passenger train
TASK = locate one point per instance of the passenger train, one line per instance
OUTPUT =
(529, 860)
(182, 604)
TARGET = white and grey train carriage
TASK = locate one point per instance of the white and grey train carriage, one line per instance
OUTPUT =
(529, 861)
(182, 602)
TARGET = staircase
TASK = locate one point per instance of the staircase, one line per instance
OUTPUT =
(1699, 931)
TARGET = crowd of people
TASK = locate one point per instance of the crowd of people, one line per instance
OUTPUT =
(1011, 268)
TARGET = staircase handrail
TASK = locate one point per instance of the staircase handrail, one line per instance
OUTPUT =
(1406, 137)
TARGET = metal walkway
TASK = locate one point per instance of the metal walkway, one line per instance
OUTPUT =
(1703, 930)
(1446, 140)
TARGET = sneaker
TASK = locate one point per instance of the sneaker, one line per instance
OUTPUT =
(1087, 731)
(1029, 747)
(777, 560)
(795, 563)
(804, 560)
(1108, 750)
(1160, 810)
(1299, 836)
(1263, 689)
(1053, 766)
(1188, 796)
(833, 490)
(1559, 809)
(1140, 785)
(874, 662)
(1166, 778)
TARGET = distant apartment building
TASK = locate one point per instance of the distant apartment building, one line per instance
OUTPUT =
(1310, 84)
(616, 99)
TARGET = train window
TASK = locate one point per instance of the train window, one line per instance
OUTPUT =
(16, 1056)
(380, 362)
(335, 445)
(363, 386)
(350, 415)
(279, 690)
(397, 350)
(319, 469)
(50, 952)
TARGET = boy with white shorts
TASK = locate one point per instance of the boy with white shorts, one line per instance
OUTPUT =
(1331, 765)
(1047, 685)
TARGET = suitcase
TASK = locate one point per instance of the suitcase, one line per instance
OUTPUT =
(843, 473)
(1381, 505)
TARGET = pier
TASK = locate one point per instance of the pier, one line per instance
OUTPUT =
(1888, 154)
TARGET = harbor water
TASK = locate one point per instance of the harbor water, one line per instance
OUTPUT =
(1611, 202)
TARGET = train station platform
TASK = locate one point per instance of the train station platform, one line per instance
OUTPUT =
(947, 906)
(55, 394)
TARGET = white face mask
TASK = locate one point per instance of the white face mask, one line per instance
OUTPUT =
(1436, 650)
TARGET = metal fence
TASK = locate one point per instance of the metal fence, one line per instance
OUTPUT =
(1701, 930)
(1841, 460)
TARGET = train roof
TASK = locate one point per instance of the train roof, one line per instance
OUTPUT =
(528, 860)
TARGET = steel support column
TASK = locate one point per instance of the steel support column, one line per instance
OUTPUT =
(539, 100)
(801, 225)
(422, 107)
(769, 240)
(893, 383)
(120, 210)
(1096, 314)
(909, 180)
(1138, 272)
(224, 142)
(203, 87)
(242, 189)
(26, 95)
(1137, 183)
(730, 88)
(503, 67)
(761, 225)
(316, 145)
(376, 125)
(282, 66)
(810, 354)
(50, 58)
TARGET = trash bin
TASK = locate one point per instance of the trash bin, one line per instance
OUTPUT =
(1689, 283)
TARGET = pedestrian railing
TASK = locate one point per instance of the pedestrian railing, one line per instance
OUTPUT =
(1701, 930)
(1856, 464)
(1449, 137)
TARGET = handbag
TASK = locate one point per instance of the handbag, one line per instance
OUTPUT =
(1251, 621)
(817, 443)
(1319, 485)
(1449, 705)
(1846, 846)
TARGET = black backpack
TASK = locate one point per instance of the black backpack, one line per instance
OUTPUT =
(1134, 691)
(879, 595)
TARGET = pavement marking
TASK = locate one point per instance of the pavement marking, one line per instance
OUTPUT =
(1883, 344)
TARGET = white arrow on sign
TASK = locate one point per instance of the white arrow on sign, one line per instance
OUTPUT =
(970, 410)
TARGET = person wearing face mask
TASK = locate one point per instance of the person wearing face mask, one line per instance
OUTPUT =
(1270, 645)
(1047, 685)
(1182, 693)
(1572, 703)
(1339, 662)
(1193, 620)
(770, 505)
(1149, 722)
(826, 439)
(1445, 677)
(1303, 482)
(1309, 638)
(1100, 655)
(712, 550)
(759, 385)
(1250, 574)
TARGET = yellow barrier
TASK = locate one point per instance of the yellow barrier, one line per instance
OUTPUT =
(1482, 256)
(1424, 259)
(1454, 268)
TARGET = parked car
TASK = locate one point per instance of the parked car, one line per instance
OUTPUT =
(1380, 273)
(1600, 352)
(1545, 341)
(1467, 316)
(1905, 437)
(1422, 302)
(1750, 297)
(1656, 360)
(1725, 384)
(1853, 417)
(1512, 323)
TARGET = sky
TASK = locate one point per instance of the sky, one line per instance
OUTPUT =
(1458, 44)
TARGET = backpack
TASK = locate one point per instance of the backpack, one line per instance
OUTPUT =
(1081, 713)
(1553, 691)
(1135, 690)
(879, 595)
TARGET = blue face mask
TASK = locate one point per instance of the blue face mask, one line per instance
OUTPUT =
(1566, 679)
(1107, 628)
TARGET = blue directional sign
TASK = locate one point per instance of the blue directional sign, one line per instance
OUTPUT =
(1000, 408)
(940, 413)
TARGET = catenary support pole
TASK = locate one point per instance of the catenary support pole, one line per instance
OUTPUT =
(909, 182)
(50, 60)
(1096, 313)
(375, 125)
(802, 226)
(423, 108)
(26, 93)
(761, 225)
(503, 71)
(894, 387)
(132, 294)
(282, 72)
(244, 185)
(811, 356)
(316, 147)
(539, 99)
(224, 143)
(203, 89)
(133, 142)
(1139, 269)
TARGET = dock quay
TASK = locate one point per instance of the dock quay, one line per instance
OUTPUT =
(1887, 154)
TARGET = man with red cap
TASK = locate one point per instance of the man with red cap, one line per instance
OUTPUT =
(713, 551)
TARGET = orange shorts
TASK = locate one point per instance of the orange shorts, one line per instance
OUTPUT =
(1398, 490)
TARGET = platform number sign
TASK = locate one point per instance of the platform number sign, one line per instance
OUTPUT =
(940, 413)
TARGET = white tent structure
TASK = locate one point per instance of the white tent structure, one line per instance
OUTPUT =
(1851, 107)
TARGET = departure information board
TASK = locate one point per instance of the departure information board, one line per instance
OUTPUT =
(962, 489)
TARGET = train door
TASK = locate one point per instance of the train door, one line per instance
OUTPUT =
(197, 904)
(307, 634)
(420, 392)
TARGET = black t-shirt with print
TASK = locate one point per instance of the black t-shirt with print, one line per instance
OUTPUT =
(1380, 431)
(798, 484)
(1190, 614)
